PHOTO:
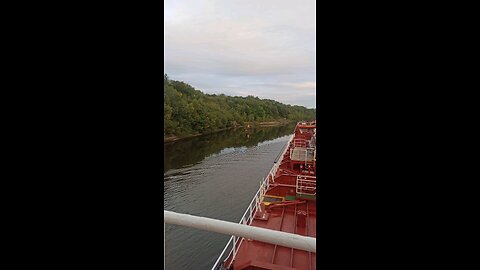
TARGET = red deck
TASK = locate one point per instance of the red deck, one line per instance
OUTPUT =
(285, 209)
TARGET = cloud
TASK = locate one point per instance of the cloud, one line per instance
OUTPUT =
(260, 48)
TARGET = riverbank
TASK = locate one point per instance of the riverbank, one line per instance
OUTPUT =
(272, 124)
(246, 125)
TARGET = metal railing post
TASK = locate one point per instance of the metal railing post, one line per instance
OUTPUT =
(234, 247)
(164, 235)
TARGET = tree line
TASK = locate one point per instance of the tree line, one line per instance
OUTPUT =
(188, 111)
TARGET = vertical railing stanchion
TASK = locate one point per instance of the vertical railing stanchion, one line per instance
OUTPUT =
(251, 214)
(306, 157)
(164, 235)
(234, 247)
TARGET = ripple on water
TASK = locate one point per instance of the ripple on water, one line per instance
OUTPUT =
(220, 186)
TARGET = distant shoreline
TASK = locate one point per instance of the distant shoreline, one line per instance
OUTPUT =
(246, 125)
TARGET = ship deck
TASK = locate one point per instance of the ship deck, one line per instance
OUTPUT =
(283, 208)
(258, 255)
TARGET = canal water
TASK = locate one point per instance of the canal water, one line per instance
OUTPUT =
(214, 176)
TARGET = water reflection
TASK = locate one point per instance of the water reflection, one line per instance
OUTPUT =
(193, 150)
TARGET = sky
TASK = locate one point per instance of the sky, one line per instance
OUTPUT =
(264, 48)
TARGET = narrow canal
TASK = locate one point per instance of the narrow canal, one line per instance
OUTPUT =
(214, 176)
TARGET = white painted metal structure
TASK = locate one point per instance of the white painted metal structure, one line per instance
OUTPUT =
(306, 185)
(242, 231)
(274, 169)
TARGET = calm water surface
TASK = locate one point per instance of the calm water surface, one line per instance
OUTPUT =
(214, 176)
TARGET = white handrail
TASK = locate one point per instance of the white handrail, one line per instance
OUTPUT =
(306, 183)
(305, 157)
(253, 206)
(275, 167)
(239, 230)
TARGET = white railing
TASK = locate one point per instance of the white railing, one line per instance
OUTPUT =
(246, 219)
(306, 185)
(252, 208)
(277, 164)
(313, 141)
(300, 143)
(241, 231)
(305, 157)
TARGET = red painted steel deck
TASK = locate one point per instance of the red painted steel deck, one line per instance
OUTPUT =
(295, 214)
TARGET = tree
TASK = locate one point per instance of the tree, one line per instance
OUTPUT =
(188, 111)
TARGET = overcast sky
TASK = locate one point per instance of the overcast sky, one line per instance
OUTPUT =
(264, 48)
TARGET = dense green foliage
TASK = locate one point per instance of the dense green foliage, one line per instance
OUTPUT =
(188, 111)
